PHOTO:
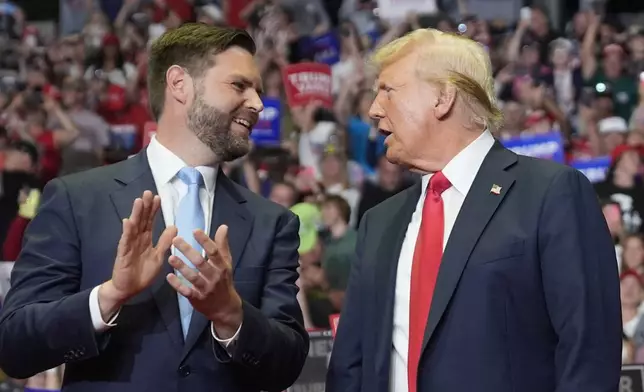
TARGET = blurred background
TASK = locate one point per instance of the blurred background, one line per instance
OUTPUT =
(569, 78)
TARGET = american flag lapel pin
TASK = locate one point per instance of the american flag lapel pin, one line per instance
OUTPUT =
(495, 189)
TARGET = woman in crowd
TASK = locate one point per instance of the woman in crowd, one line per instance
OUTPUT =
(633, 254)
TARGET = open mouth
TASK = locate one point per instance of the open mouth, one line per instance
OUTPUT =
(243, 122)
(384, 132)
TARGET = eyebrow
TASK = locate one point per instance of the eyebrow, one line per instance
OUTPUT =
(379, 85)
(249, 83)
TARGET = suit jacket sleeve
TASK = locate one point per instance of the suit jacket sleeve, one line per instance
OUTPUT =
(345, 367)
(581, 286)
(45, 320)
(272, 345)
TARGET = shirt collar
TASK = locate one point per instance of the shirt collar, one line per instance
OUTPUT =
(462, 169)
(165, 165)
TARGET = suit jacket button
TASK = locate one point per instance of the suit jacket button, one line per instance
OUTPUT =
(184, 371)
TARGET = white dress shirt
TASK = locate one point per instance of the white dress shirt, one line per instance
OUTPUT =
(460, 172)
(165, 166)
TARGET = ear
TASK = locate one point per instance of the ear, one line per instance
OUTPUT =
(445, 101)
(179, 84)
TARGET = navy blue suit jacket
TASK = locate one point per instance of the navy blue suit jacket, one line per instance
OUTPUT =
(70, 248)
(527, 296)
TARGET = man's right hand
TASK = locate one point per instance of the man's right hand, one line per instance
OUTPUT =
(138, 261)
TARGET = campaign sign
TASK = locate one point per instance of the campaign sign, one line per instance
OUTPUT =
(399, 9)
(123, 137)
(308, 82)
(267, 130)
(545, 146)
(595, 169)
(632, 378)
(313, 376)
(326, 48)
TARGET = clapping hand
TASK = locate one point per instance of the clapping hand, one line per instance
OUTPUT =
(138, 261)
(210, 289)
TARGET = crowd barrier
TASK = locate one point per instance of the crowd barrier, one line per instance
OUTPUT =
(314, 372)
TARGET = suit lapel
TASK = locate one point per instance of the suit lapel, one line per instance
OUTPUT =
(228, 209)
(385, 276)
(477, 210)
(137, 179)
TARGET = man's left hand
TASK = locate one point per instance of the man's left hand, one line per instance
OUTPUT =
(211, 291)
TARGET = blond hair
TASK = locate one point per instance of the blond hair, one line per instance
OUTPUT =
(450, 60)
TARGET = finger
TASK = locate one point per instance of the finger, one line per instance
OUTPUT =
(179, 287)
(191, 275)
(221, 241)
(212, 253)
(191, 253)
(135, 216)
(156, 204)
(145, 212)
(165, 240)
(124, 243)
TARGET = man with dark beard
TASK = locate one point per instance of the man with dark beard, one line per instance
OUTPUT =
(132, 299)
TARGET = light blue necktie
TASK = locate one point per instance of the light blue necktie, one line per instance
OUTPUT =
(189, 216)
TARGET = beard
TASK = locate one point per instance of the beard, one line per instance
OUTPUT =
(213, 128)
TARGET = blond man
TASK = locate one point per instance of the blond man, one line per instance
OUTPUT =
(496, 272)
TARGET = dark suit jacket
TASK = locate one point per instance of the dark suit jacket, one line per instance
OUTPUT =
(70, 248)
(527, 296)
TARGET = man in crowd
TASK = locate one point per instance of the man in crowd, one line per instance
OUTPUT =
(132, 301)
(339, 247)
(18, 174)
(497, 272)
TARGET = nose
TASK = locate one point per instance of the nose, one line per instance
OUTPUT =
(375, 111)
(254, 101)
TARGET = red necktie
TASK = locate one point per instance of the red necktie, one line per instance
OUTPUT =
(427, 260)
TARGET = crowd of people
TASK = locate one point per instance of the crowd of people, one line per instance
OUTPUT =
(79, 100)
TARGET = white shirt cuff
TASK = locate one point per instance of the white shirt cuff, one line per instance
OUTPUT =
(95, 312)
(227, 343)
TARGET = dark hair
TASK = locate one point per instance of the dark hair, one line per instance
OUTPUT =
(191, 46)
(293, 188)
(27, 148)
(97, 60)
(341, 204)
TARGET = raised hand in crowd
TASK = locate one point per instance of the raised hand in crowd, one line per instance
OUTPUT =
(138, 260)
(68, 131)
(303, 116)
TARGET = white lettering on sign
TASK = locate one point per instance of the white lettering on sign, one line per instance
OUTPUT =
(545, 149)
(311, 82)
(269, 114)
(625, 384)
(594, 174)
(123, 128)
